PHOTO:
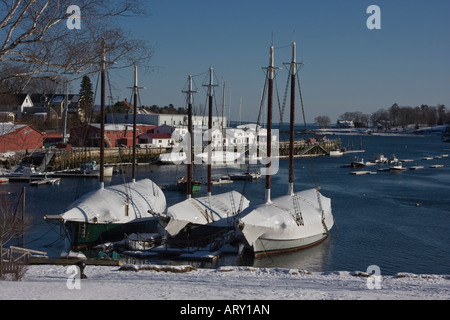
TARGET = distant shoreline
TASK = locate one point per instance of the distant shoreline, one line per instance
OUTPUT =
(421, 132)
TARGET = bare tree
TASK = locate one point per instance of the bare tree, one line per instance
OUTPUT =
(36, 40)
(13, 224)
(322, 121)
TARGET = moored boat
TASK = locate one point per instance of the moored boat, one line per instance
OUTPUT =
(292, 222)
(108, 214)
(200, 218)
(357, 164)
(172, 158)
(245, 176)
(397, 167)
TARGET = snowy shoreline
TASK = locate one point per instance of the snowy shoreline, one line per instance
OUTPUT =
(49, 282)
(398, 131)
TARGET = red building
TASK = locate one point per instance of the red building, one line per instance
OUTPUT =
(19, 138)
(116, 135)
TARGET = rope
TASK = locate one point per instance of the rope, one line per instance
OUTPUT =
(319, 201)
(314, 176)
(283, 107)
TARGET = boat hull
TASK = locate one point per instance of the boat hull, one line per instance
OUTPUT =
(204, 214)
(108, 214)
(264, 247)
(288, 223)
(86, 235)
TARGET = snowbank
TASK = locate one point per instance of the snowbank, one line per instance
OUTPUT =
(225, 283)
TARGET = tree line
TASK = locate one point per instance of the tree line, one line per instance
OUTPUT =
(394, 116)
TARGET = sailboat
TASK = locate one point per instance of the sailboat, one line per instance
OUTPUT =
(203, 216)
(291, 222)
(108, 214)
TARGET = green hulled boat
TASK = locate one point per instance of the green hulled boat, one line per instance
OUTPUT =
(111, 213)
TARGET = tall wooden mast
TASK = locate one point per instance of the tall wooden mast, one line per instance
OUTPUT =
(293, 73)
(102, 115)
(210, 125)
(271, 76)
(190, 154)
(135, 92)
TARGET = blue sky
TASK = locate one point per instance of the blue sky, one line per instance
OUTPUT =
(347, 66)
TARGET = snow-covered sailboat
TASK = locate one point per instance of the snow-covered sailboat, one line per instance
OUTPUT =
(202, 216)
(108, 214)
(292, 222)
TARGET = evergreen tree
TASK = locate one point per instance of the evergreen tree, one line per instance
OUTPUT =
(86, 99)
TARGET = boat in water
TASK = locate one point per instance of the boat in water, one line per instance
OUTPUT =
(198, 219)
(108, 214)
(172, 158)
(93, 168)
(296, 221)
(397, 167)
(357, 164)
(219, 157)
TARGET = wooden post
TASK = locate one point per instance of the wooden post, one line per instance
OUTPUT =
(23, 217)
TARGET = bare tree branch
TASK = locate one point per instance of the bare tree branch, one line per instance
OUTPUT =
(35, 39)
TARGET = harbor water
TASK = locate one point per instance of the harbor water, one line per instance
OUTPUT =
(399, 222)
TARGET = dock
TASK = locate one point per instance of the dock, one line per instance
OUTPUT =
(51, 181)
(74, 174)
(309, 147)
(200, 255)
(73, 261)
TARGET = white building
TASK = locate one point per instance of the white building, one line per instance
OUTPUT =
(158, 120)
(159, 140)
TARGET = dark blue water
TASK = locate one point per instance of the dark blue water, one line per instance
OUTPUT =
(398, 221)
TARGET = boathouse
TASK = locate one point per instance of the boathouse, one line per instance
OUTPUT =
(116, 135)
(19, 138)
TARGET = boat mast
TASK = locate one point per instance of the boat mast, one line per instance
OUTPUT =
(135, 91)
(293, 73)
(190, 153)
(210, 125)
(102, 115)
(223, 110)
(271, 76)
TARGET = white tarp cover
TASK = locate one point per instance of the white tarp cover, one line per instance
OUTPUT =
(276, 220)
(210, 210)
(109, 205)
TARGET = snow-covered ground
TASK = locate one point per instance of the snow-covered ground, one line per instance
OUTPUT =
(51, 282)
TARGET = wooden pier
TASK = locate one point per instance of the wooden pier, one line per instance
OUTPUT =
(73, 261)
(310, 147)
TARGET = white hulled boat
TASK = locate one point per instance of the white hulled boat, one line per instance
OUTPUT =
(292, 222)
(203, 216)
(172, 158)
